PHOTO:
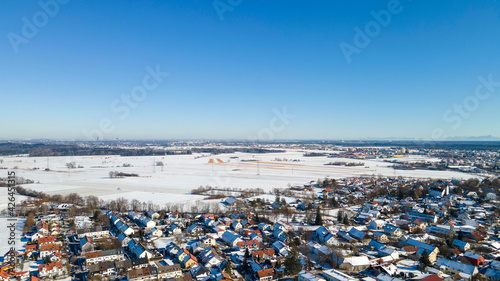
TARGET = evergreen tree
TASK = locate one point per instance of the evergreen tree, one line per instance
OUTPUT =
(340, 217)
(244, 265)
(319, 219)
(141, 234)
(424, 259)
(96, 216)
(346, 220)
(72, 224)
(228, 268)
(292, 262)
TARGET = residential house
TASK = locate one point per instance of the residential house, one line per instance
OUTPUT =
(146, 273)
(153, 215)
(474, 259)
(193, 229)
(210, 258)
(95, 232)
(263, 254)
(462, 245)
(51, 269)
(454, 267)
(231, 201)
(46, 240)
(492, 274)
(359, 235)
(105, 268)
(325, 237)
(189, 261)
(392, 230)
(231, 238)
(138, 250)
(479, 235)
(155, 232)
(175, 229)
(237, 226)
(380, 237)
(252, 245)
(309, 276)
(423, 217)
(86, 245)
(168, 271)
(48, 249)
(124, 239)
(104, 256)
(376, 224)
(265, 274)
(432, 251)
(208, 241)
(335, 275)
(199, 273)
(281, 248)
(355, 264)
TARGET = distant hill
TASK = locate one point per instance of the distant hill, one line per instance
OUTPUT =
(472, 138)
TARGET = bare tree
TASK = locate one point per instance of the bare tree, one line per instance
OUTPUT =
(135, 204)
(92, 201)
(122, 204)
(57, 198)
(112, 205)
(72, 211)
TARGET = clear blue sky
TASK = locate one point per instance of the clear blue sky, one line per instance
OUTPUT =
(228, 75)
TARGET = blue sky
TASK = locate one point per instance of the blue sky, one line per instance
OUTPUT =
(230, 74)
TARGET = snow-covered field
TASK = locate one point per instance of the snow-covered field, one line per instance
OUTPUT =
(173, 182)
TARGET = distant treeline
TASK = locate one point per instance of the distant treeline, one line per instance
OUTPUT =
(417, 144)
(41, 149)
(48, 149)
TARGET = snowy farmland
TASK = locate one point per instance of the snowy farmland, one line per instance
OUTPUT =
(180, 174)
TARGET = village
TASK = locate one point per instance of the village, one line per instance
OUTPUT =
(367, 228)
(232, 140)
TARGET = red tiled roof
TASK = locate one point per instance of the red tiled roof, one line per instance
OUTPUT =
(248, 243)
(50, 266)
(50, 247)
(433, 277)
(269, 252)
(410, 249)
(47, 239)
(265, 272)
